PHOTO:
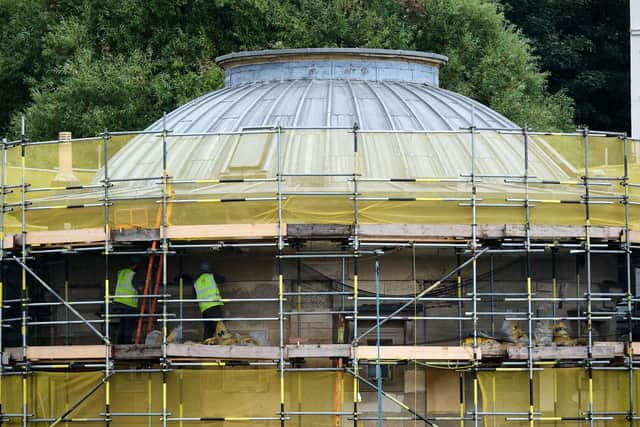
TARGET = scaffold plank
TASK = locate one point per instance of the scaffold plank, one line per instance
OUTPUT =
(494, 351)
(225, 352)
(601, 350)
(318, 351)
(413, 231)
(223, 231)
(136, 351)
(428, 232)
(319, 231)
(78, 236)
(408, 352)
(561, 232)
(135, 235)
(7, 241)
(634, 236)
(12, 354)
(367, 232)
(66, 352)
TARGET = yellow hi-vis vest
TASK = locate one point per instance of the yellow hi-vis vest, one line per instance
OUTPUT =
(125, 292)
(207, 289)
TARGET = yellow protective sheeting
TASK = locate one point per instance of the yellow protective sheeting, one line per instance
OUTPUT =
(224, 393)
(63, 182)
(315, 210)
(559, 392)
(402, 178)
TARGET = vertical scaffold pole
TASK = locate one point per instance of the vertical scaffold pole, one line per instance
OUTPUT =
(356, 244)
(165, 247)
(299, 296)
(378, 370)
(491, 298)
(474, 272)
(554, 280)
(181, 398)
(67, 326)
(578, 295)
(627, 254)
(415, 333)
(460, 338)
(587, 255)
(279, 180)
(23, 293)
(181, 296)
(280, 247)
(460, 303)
(107, 295)
(3, 147)
(356, 367)
(356, 203)
(527, 245)
(3, 178)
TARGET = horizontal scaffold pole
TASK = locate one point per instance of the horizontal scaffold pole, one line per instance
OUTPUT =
(421, 294)
(80, 401)
(393, 399)
(62, 300)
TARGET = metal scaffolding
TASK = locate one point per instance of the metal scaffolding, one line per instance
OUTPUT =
(465, 305)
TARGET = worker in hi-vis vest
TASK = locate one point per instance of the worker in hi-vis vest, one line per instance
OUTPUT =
(209, 299)
(125, 301)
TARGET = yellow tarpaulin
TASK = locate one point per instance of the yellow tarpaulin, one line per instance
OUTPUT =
(559, 392)
(221, 393)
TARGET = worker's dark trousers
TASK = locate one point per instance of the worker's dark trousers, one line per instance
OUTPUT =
(128, 324)
(209, 325)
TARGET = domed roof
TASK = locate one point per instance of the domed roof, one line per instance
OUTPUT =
(223, 146)
(332, 88)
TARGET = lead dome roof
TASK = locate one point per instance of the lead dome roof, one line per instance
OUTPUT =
(316, 88)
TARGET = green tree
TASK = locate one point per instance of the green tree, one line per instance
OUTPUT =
(491, 62)
(114, 92)
(584, 45)
(346, 23)
(120, 63)
(23, 26)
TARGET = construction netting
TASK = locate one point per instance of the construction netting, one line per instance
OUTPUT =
(316, 175)
(242, 397)
(234, 394)
(560, 397)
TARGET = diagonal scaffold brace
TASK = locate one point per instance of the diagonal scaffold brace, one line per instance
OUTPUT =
(393, 399)
(385, 319)
(62, 418)
(62, 300)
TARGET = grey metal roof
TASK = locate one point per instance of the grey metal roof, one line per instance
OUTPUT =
(285, 54)
(326, 89)
(331, 64)
(308, 88)
(317, 98)
(373, 105)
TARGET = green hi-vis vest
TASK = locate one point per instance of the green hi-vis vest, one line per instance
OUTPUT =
(125, 292)
(207, 289)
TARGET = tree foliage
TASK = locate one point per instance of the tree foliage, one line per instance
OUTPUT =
(491, 62)
(86, 65)
(584, 45)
